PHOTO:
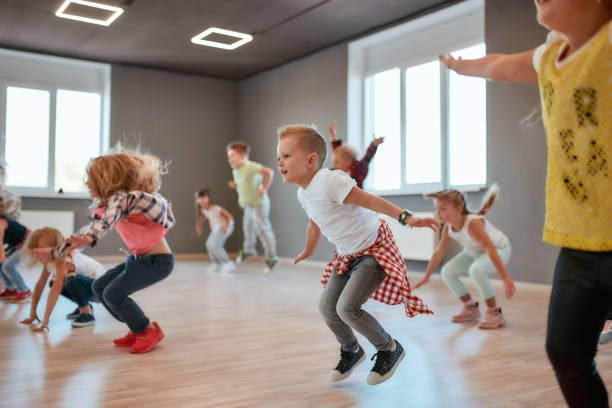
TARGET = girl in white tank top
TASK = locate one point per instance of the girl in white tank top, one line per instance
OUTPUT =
(221, 227)
(485, 250)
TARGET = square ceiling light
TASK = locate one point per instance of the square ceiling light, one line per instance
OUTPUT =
(242, 38)
(116, 12)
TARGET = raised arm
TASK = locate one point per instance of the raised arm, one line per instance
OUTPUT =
(332, 133)
(366, 200)
(436, 257)
(313, 234)
(498, 67)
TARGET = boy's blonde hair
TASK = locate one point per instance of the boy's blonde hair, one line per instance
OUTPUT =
(346, 152)
(457, 199)
(41, 238)
(310, 140)
(240, 146)
(126, 170)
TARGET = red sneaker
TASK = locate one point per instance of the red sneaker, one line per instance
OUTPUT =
(8, 294)
(21, 296)
(126, 341)
(148, 339)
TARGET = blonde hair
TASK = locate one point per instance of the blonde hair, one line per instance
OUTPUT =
(126, 170)
(41, 238)
(458, 200)
(240, 146)
(346, 152)
(310, 140)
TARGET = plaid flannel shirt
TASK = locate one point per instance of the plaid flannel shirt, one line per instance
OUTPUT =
(119, 206)
(359, 168)
(395, 289)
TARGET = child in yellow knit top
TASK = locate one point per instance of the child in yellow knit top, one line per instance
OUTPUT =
(574, 72)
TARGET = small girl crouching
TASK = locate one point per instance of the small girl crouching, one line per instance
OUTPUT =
(221, 227)
(72, 275)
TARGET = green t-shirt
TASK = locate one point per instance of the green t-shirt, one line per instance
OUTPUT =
(248, 179)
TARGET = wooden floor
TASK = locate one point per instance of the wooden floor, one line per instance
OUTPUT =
(250, 340)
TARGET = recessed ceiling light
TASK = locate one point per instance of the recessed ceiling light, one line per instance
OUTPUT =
(243, 38)
(117, 11)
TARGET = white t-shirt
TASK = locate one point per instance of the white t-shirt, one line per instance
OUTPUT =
(349, 227)
(216, 220)
(84, 266)
(470, 245)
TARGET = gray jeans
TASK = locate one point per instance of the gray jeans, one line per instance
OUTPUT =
(341, 302)
(256, 222)
(215, 245)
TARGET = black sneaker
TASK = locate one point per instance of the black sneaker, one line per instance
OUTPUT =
(73, 315)
(386, 363)
(243, 256)
(84, 320)
(348, 361)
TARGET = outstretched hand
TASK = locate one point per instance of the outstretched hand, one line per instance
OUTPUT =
(424, 222)
(30, 320)
(78, 241)
(41, 328)
(378, 140)
(450, 62)
(332, 131)
(420, 283)
(301, 257)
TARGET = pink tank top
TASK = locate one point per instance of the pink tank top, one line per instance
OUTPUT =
(139, 233)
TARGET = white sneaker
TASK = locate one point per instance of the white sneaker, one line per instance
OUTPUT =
(227, 267)
(214, 268)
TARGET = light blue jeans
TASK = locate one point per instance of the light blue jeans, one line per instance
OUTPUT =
(215, 242)
(256, 223)
(478, 269)
(8, 271)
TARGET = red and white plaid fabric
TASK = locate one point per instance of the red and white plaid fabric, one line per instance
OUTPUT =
(395, 289)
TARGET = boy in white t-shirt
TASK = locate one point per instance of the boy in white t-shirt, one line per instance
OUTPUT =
(71, 276)
(366, 263)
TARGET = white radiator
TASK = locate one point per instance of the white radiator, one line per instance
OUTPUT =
(414, 243)
(62, 220)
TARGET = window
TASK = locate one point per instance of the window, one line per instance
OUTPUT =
(433, 120)
(53, 120)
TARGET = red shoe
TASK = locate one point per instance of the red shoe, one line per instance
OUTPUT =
(8, 294)
(147, 339)
(126, 341)
(21, 296)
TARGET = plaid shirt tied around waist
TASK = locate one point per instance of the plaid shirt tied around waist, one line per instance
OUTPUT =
(395, 289)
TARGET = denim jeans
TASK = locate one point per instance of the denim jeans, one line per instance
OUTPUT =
(341, 302)
(215, 242)
(256, 223)
(136, 273)
(10, 276)
(580, 302)
(78, 289)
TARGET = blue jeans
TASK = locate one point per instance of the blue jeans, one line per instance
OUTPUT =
(10, 276)
(341, 302)
(215, 242)
(580, 302)
(78, 289)
(136, 273)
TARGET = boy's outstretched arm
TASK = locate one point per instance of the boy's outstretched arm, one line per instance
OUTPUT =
(366, 200)
(313, 234)
(498, 67)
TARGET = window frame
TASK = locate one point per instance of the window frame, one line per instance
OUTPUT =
(365, 61)
(90, 77)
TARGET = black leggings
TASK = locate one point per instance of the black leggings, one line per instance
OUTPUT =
(580, 302)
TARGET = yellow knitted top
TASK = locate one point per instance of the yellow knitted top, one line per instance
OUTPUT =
(576, 98)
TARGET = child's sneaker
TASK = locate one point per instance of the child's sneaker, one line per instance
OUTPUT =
(147, 340)
(214, 268)
(348, 361)
(270, 263)
(7, 294)
(227, 267)
(126, 341)
(243, 256)
(606, 335)
(84, 319)
(73, 315)
(468, 313)
(386, 363)
(22, 296)
(494, 319)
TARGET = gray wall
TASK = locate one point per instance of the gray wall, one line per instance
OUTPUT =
(313, 90)
(184, 119)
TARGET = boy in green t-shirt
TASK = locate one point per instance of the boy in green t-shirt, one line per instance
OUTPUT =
(251, 181)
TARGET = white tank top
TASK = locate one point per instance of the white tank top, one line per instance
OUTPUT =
(470, 245)
(216, 220)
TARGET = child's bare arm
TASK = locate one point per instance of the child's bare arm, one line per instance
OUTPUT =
(61, 269)
(268, 175)
(476, 229)
(313, 234)
(3, 226)
(332, 131)
(199, 223)
(359, 197)
(435, 258)
(498, 67)
(228, 219)
(38, 290)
